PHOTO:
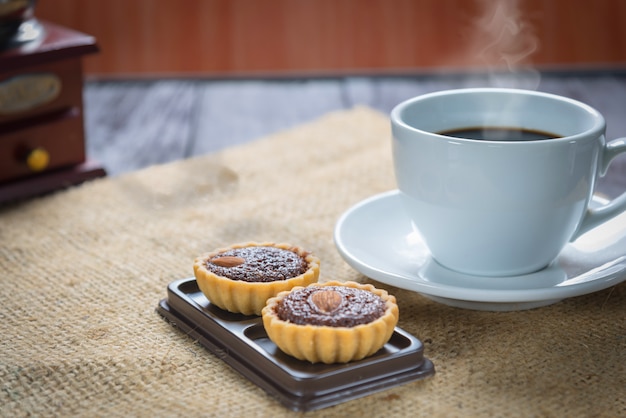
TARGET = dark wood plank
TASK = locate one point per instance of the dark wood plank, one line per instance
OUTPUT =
(228, 37)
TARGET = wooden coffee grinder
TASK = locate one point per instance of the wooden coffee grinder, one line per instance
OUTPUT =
(42, 139)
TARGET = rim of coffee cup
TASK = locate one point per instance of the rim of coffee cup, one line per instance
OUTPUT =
(597, 126)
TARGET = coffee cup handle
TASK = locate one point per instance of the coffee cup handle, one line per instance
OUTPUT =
(597, 216)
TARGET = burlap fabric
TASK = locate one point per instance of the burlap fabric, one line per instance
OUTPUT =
(83, 270)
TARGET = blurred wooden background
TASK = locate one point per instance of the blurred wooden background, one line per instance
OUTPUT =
(313, 37)
(178, 78)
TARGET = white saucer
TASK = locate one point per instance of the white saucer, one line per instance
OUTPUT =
(375, 237)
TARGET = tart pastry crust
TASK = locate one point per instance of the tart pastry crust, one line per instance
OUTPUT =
(331, 344)
(249, 297)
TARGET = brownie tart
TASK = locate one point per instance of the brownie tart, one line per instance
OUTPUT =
(333, 322)
(241, 278)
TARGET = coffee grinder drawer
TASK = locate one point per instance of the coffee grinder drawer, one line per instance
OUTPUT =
(52, 143)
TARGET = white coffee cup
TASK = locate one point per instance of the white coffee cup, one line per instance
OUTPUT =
(500, 207)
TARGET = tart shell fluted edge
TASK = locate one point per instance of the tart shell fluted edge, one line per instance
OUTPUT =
(249, 298)
(327, 344)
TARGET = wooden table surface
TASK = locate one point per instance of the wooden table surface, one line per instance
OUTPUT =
(135, 124)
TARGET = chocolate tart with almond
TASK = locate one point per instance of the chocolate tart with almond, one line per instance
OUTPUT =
(241, 278)
(333, 322)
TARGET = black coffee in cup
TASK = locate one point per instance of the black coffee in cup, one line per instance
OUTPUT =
(499, 134)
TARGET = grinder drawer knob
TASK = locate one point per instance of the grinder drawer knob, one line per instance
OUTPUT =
(37, 159)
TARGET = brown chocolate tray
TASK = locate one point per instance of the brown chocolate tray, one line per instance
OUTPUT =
(242, 343)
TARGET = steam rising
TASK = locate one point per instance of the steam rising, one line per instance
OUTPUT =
(504, 40)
